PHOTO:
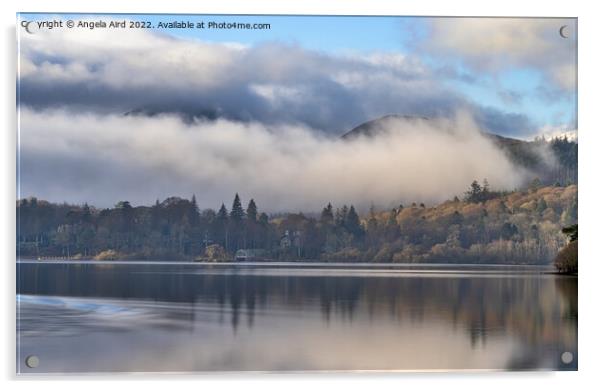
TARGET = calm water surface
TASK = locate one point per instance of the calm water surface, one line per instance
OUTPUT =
(139, 317)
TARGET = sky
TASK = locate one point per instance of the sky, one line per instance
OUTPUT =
(518, 88)
(309, 77)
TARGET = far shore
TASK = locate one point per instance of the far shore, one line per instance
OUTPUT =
(544, 268)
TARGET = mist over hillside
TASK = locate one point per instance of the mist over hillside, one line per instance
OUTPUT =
(290, 168)
(552, 161)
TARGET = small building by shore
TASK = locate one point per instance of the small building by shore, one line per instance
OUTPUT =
(251, 255)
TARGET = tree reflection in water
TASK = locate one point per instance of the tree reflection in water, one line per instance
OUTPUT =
(538, 309)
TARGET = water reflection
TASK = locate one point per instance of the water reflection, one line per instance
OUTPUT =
(296, 319)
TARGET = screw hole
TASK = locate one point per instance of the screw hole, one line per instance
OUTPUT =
(32, 361)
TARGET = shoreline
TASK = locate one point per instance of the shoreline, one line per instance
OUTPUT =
(547, 268)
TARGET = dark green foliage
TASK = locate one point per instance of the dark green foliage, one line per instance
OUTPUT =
(474, 193)
(222, 214)
(565, 168)
(508, 231)
(263, 218)
(352, 223)
(221, 227)
(478, 193)
(327, 216)
(341, 216)
(237, 213)
(571, 232)
(123, 205)
(173, 228)
(251, 232)
(252, 210)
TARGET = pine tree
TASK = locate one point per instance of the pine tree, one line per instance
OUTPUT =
(237, 213)
(238, 233)
(327, 216)
(222, 214)
(474, 194)
(86, 214)
(194, 204)
(194, 215)
(263, 218)
(250, 238)
(252, 211)
(221, 230)
(341, 216)
(352, 222)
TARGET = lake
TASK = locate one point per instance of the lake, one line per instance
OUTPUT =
(166, 317)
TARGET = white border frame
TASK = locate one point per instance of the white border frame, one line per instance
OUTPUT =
(589, 160)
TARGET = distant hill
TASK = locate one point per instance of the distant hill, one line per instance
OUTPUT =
(377, 126)
(187, 116)
(552, 162)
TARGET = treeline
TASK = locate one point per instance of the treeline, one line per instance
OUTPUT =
(553, 161)
(564, 169)
(483, 227)
(172, 229)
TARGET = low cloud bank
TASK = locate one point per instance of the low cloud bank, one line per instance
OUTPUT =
(102, 159)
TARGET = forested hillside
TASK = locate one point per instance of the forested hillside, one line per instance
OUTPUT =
(518, 227)
(553, 161)
(482, 227)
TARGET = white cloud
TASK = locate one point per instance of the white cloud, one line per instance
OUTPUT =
(106, 70)
(103, 159)
(497, 44)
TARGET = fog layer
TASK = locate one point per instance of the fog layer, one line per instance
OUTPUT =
(102, 159)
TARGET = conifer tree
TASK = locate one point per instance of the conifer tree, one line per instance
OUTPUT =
(252, 211)
(222, 214)
(327, 216)
(237, 213)
(352, 222)
(222, 226)
(341, 216)
(194, 203)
